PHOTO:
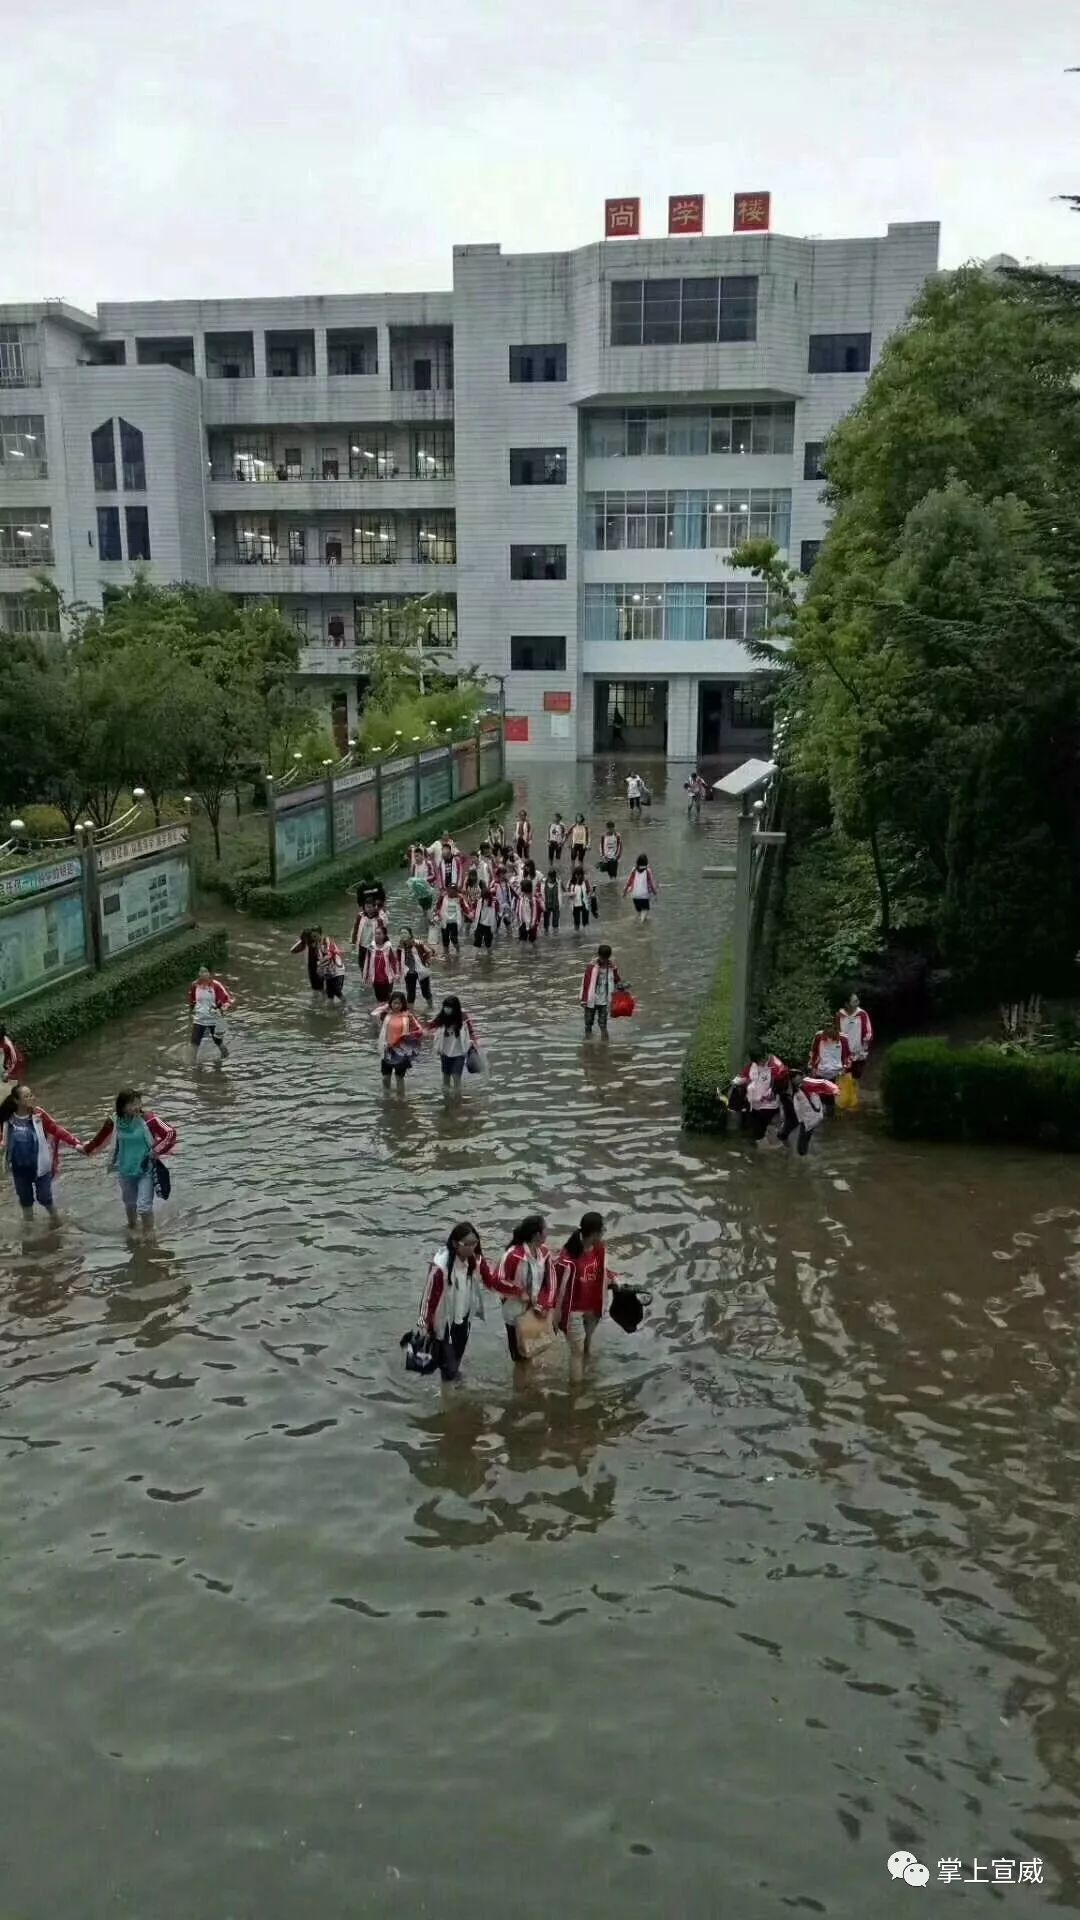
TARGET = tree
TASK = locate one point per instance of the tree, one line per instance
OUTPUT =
(221, 733)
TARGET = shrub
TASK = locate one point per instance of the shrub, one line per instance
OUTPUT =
(933, 1091)
(51, 1019)
(708, 1062)
(291, 897)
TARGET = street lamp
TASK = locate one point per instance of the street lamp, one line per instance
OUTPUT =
(742, 784)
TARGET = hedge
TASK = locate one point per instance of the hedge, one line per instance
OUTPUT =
(708, 1063)
(51, 1019)
(932, 1091)
(293, 897)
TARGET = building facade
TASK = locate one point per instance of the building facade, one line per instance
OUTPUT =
(557, 458)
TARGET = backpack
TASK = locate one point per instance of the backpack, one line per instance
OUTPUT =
(23, 1148)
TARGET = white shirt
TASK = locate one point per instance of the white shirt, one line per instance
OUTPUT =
(641, 884)
(808, 1109)
(634, 787)
(851, 1028)
(609, 846)
(760, 1091)
(412, 963)
(206, 1007)
(830, 1059)
(530, 1275)
(556, 833)
(603, 981)
(453, 1046)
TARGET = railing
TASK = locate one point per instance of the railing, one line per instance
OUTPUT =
(22, 468)
(16, 373)
(437, 553)
(315, 476)
(27, 554)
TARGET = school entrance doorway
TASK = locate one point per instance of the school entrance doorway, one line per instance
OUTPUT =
(733, 716)
(630, 716)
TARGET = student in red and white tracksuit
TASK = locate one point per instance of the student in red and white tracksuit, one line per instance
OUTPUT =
(854, 1025)
(381, 968)
(448, 869)
(764, 1082)
(209, 1000)
(364, 928)
(12, 1057)
(500, 887)
(528, 910)
(598, 983)
(830, 1056)
(522, 834)
(139, 1138)
(610, 851)
(641, 886)
(525, 1277)
(453, 1296)
(331, 965)
(449, 917)
(486, 922)
(581, 1273)
(30, 1140)
(810, 1098)
(414, 966)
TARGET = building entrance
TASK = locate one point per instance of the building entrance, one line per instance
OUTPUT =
(630, 716)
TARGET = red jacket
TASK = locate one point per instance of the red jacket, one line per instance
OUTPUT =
(163, 1136)
(12, 1059)
(54, 1135)
(507, 1280)
(529, 909)
(523, 832)
(381, 966)
(366, 923)
(223, 999)
(583, 1282)
(606, 854)
(857, 1029)
(818, 1048)
(433, 1312)
(588, 981)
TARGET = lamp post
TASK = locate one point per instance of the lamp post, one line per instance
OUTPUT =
(742, 784)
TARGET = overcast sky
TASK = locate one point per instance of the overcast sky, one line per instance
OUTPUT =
(211, 147)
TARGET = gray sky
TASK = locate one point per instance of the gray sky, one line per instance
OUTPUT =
(213, 147)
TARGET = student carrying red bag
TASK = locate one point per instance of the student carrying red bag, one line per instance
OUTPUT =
(622, 1003)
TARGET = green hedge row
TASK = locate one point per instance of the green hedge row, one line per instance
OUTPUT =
(708, 1063)
(932, 1091)
(54, 1018)
(294, 897)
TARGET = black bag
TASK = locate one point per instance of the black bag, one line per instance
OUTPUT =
(628, 1307)
(162, 1179)
(419, 1357)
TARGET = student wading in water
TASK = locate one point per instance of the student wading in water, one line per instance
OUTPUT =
(455, 1040)
(453, 1295)
(583, 1279)
(525, 1278)
(139, 1139)
(31, 1141)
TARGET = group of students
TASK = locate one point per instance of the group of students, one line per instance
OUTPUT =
(541, 1294)
(139, 1140)
(768, 1093)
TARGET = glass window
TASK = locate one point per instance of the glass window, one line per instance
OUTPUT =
(606, 435)
(433, 453)
(28, 613)
(371, 456)
(537, 466)
(300, 620)
(808, 553)
(660, 325)
(103, 454)
(688, 432)
(138, 532)
(131, 453)
(839, 353)
(255, 541)
(544, 363)
(108, 533)
(532, 653)
(626, 311)
(738, 307)
(26, 537)
(22, 444)
(294, 463)
(352, 350)
(700, 308)
(751, 703)
(436, 540)
(374, 541)
(812, 452)
(297, 546)
(537, 563)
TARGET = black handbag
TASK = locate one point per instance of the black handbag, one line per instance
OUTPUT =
(162, 1179)
(419, 1357)
(627, 1307)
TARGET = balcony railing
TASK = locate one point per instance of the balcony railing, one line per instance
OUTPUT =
(327, 474)
(27, 553)
(435, 551)
(14, 466)
(17, 369)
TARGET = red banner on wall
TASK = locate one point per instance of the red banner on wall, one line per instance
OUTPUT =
(686, 213)
(622, 219)
(558, 703)
(751, 213)
(517, 728)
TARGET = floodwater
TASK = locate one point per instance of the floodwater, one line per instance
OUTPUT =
(789, 1583)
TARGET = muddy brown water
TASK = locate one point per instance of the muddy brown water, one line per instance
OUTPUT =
(788, 1583)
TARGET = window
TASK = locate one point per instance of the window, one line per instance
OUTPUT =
(108, 533)
(19, 362)
(436, 540)
(421, 375)
(433, 453)
(538, 466)
(297, 546)
(374, 541)
(230, 356)
(839, 353)
(746, 428)
(352, 350)
(689, 518)
(538, 563)
(25, 537)
(294, 463)
(751, 704)
(371, 455)
(159, 352)
(529, 365)
(22, 445)
(811, 463)
(394, 619)
(808, 553)
(689, 312)
(255, 541)
(675, 610)
(331, 465)
(28, 613)
(103, 454)
(138, 532)
(290, 355)
(250, 461)
(532, 653)
(131, 454)
(300, 620)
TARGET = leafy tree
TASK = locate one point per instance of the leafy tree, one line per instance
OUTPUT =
(221, 733)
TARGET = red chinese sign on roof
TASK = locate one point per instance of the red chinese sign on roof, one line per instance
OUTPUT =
(751, 213)
(622, 219)
(686, 213)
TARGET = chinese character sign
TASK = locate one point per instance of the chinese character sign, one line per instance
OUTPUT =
(686, 213)
(622, 219)
(751, 213)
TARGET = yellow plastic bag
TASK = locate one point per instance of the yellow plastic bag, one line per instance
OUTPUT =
(847, 1094)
